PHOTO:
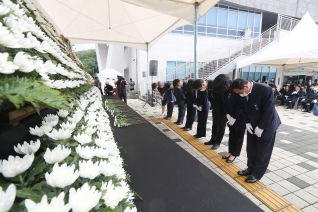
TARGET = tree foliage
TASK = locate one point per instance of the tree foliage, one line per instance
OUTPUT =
(89, 60)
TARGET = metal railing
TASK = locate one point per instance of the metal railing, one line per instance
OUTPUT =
(286, 23)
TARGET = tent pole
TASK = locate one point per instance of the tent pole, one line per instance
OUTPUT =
(147, 77)
(196, 5)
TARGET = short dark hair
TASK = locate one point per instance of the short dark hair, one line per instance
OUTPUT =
(190, 85)
(96, 78)
(239, 84)
(210, 84)
(197, 83)
(175, 82)
(153, 86)
(221, 83)
(167, 85)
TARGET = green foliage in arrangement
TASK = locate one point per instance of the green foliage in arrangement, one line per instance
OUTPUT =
(17, 92)
(121, 119)
(89, 60)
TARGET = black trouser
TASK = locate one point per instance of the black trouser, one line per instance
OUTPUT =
(181, 112)
(170, 106)
(202, 121)
(236, 139)
(123, 96)
(304, 104)
(218, 127)
(259, 152)
(190, 115)
(292, 100)
(282, 100)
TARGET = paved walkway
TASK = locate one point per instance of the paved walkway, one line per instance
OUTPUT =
(293, 170)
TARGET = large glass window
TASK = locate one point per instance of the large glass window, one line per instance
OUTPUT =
(245, 73)
(222, 18)
(250, 22)
(212, 17)
(232, 24)
(225, 22)
(257, 22)
(202, 21)
(242, 22)
(251, 75)
(259, 73)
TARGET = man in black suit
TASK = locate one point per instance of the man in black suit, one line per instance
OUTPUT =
(292, 98)
(181, 100)
(262, 121)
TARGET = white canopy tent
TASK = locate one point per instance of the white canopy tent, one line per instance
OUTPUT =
(297, 49)
(134, 23)
(111, 74)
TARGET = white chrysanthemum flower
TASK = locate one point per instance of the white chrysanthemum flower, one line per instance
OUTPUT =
(6, 67)
(7, 198)
(102, 153)
(85, 152)
(112, 196)
(60, 134)
(83, 138)
(38, 131)
(15, 165)
(88, 169)
(84, 198)
(128, 209)
(108, 168)
(62, 113)
(57, 204)
(4, 9)
(101, 143)
(28, 148)
(68, 125)
(24, 61)
(58, 154)
(51, 120)
(90, 130)
(62, 176)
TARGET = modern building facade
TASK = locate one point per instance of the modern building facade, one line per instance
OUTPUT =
(230, 31)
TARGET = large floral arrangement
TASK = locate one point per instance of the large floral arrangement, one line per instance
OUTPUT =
(73, 162)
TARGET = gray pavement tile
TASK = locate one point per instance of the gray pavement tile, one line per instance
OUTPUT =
(279, 189)
(310, 209)
(289, 186)
(298, 182)
(306, 196)
(296, 200)
(307, 166)
(177, 140)
(166, 130)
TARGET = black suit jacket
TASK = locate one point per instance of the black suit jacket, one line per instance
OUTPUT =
(295, 96)
(260, 110)
(233, 107)
(180, 96)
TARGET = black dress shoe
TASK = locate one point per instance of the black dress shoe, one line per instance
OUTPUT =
(179, 123)
(230, 161)
(183, 127)
(304, 111)
(251, 179)
(208, 143)
(244, 172)
(168, 118)
(226, 157)
(197, 136)
(215, 146)
(176, 122)
(187, 129)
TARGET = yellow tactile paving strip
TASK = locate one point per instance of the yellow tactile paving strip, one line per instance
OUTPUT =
(267, 196)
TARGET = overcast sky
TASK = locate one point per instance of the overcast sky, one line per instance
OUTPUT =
(81, 47)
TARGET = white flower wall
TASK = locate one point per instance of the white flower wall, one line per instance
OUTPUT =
(73, 163)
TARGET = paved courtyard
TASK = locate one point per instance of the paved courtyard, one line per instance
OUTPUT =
(293, 170)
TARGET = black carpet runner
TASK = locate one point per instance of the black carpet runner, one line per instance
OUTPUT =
(169, 179)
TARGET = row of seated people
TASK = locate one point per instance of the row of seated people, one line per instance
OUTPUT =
(308, 97)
